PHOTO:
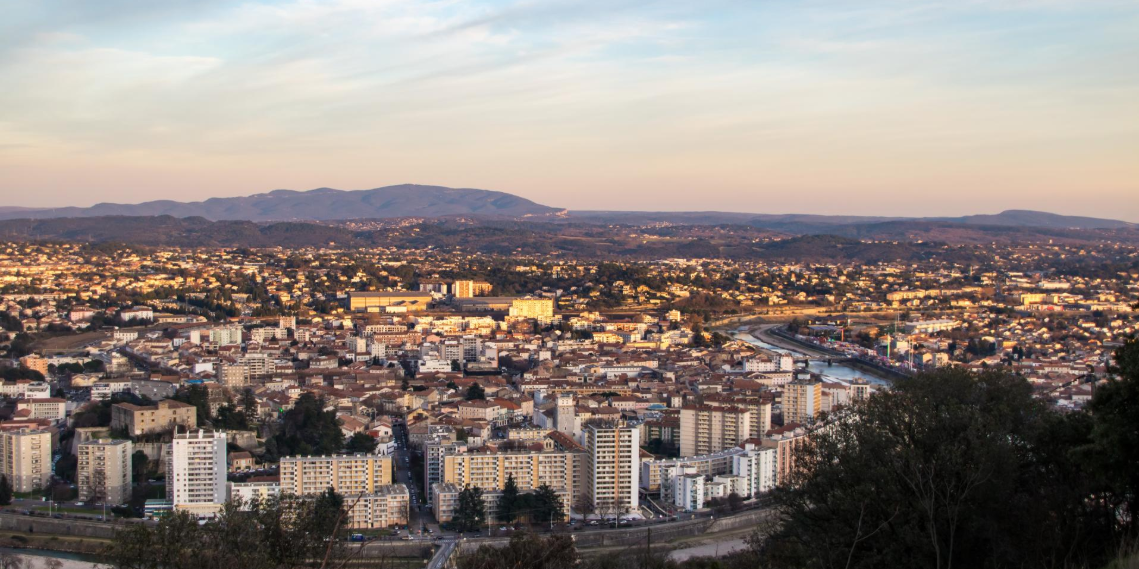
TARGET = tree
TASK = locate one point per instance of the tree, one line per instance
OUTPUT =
(249, 407)
(11, 560)
(470, 512)
(508, 502)
(947, 469)
(525, 551)
(139, 462)
(5, 490)
(281, 531)
(52, 563)
(199, 397)
(361, 442)
(547, 505)
(583, 505)
(475, 391)
(1114, 444)
(308, 429)
(230, 418)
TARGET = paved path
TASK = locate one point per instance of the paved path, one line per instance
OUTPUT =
(716, 549)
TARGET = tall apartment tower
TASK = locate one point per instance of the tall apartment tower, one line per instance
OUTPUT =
(705, 429)
(564, 414)
(25, 458)
(103, 474)
(433, 455)
(613, 469)
(463, 289)
(802, 401)
(195, 472)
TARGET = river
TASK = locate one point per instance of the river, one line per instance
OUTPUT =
(839, 373)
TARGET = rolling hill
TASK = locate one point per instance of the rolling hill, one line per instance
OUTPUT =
(406, 200)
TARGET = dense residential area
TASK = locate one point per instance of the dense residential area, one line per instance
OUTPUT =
(435, 396)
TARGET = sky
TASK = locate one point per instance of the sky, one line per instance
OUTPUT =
(876, 107)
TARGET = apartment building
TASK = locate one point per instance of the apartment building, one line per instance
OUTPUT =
(759, 405)
(446, 500)
(255, 489)
(196, 472)
(786, 441)
(433, 455)
(758, 466)
(226, 335)
(705, 429)
(160, 417)
(536, 308)
(103, 473)
(387, 506)
(802, 401)
(50, 408)
(351, 474)
(364, 479)
(613, 466)
(25, 458)
(530, 469)
(654, 472)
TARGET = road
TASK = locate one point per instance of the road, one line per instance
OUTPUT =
(443, 554)
(418, 516)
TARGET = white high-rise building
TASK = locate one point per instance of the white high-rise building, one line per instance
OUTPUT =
(613, 469)
(196, 469)
(758, 467)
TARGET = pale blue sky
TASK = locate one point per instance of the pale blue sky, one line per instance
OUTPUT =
(923, 107)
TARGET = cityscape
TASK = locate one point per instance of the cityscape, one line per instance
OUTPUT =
(534, 284)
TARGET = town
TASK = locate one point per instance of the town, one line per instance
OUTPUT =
(444, 394)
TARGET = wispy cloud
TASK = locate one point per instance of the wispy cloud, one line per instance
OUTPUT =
(599, 103)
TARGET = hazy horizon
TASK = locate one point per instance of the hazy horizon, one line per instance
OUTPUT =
(659, 210)
(917, 108)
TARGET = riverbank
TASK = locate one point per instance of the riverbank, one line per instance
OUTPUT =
(765, 333)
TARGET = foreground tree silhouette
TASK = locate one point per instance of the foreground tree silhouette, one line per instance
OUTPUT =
(1113, 453)
(948, 469)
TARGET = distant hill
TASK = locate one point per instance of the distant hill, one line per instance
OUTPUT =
(1040, 219)
(488, 236)
(436, 202)
(407, 200)
(807, 224)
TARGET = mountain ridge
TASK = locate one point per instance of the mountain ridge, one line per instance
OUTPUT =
(320, 204)
(414, 200)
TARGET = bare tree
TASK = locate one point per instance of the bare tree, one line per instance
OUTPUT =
(10, 560)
